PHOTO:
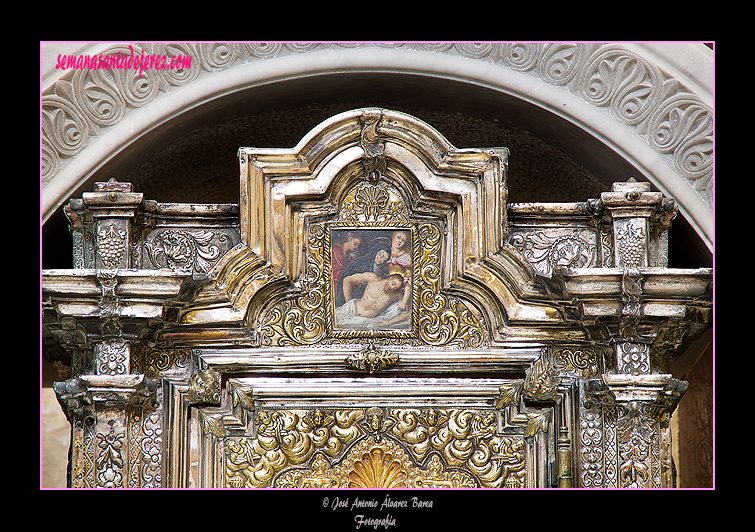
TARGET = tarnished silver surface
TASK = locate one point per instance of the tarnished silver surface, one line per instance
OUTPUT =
(372, 302)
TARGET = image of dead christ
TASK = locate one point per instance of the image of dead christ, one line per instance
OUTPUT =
(372, 279)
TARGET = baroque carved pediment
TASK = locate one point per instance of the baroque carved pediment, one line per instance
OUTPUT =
(371, 176)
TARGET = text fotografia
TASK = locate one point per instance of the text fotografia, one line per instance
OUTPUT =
(383, 522)
(124, 61)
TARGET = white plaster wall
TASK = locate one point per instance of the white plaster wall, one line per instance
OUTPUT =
(55, 436)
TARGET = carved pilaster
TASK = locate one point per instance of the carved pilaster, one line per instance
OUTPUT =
(116, 430)
(643, 313)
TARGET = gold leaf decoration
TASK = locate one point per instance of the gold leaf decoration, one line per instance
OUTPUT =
(537, 423)
(211, 424)
(371, 449)
(443, 320)
(377, 469)
(372, 359)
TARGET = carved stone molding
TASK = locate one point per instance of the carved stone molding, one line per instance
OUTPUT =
(660, 106)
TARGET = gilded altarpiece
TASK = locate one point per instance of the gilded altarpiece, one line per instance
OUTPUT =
(372, 313)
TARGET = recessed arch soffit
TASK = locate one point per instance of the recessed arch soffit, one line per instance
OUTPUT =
(635, 99)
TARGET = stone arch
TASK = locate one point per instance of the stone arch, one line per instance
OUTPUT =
(649, 105)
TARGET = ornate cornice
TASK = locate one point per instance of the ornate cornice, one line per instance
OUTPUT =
(659, 107)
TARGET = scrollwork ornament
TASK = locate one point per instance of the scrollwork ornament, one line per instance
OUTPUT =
(98, 97)
(622, 81)
(301, 320)
(217, 56)
(633, 358)
(266, 50)
(204, 386)
(521, 56)
(196, 250)
(372, 359)
(64, 125)
(547, 252)
(288, 438)
(560, 63)
(443, 320)
(112, 357)
(156, 362)
(591, 447)
(151, 450)
(479, 50)
(460, 448)
(50, 160)
(585, 360)
(606, 75)
(301, 47)
(137, 87)
(174, 76)
(683, 125)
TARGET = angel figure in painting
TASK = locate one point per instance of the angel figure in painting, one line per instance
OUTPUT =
(344, 252)
(401, 255)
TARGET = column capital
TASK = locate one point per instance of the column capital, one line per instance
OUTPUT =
(659, 393)
(631, 200)
(112, 199)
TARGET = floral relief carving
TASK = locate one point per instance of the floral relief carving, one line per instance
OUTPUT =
(196, 250)
(110, 460)
(636, 432)
(546, 252)
(112, 357)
